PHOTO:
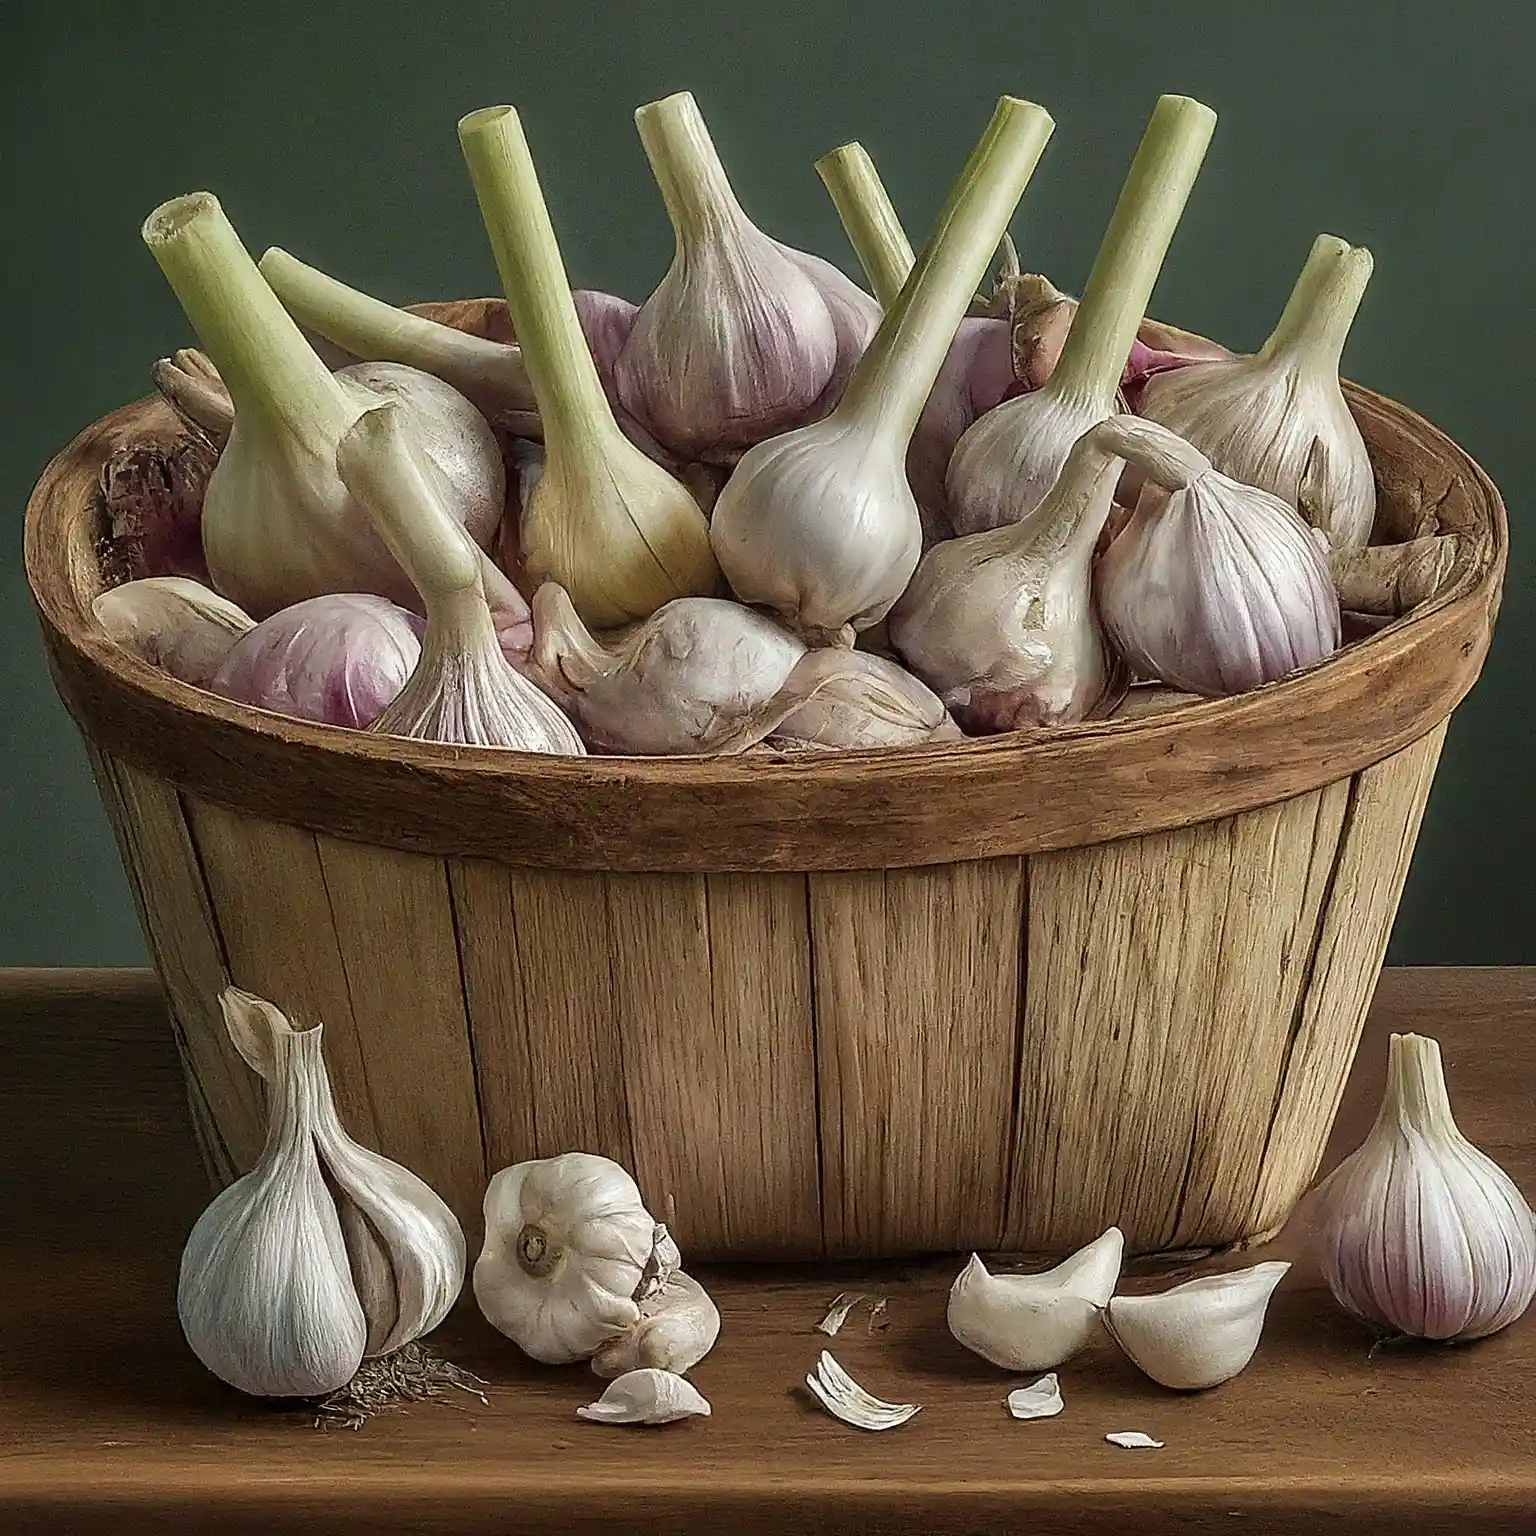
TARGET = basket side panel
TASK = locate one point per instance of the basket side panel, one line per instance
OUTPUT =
(1163, 973)
(1387, 806)
(917, 980)
(362, 940)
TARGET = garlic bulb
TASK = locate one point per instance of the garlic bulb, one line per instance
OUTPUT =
(614, 529)
(1278, 419)
(1035, 1322)
(1001, 624)
(1417, 1232)
(1213, 587)
(277, 524)
(820, 524)
(570, 1254)
(678, 1326)
(336, 660)
(1008, 460)
(323, 1253)
(463, 689)
(737, 342)
(173, 623)
(1198, 1334)
(685, 677)
(647, 1396)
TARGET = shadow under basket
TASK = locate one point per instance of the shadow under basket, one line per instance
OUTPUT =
(994, 994)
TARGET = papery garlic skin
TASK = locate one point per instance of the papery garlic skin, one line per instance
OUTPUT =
(1198, 1334)
(678, 1326)
(1417, 1232)
(1035, 1322)
(173, 623)
(1278, 419)
(569, 1250)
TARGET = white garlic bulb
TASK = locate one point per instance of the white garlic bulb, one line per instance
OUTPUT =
(1278, 419)
(173, 623)
(325, 1252)
(1417, 1232)
(1035, 1322)
(1008, 460)
(683, 679)
(1213, 587)
(678, 1326)
(570, 1254)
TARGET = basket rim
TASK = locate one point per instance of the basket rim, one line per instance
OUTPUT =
(1018, 793)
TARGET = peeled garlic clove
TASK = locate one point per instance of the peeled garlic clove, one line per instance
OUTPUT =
(569, 1245)
(647, 1397)
(1213, 587)
(686, 676)
(1040, 1400)
(1035, 1322)
(173, 623)
(1006, 464)
(1278, 419)
(845, 1399)
(1417, 1232)
(678, 1326)
(1198, 1334)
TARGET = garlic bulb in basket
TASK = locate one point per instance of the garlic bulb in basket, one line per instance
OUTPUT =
(173, 623)
(1279, 419)
(1214, 587)
(277, 524)
(737, 342)
(1006, 463)
(463, 689)
(688, 674)
(820, 524)
(612, 527)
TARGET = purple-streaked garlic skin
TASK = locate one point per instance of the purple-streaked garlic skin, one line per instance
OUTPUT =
(337, 660)
(855, 319)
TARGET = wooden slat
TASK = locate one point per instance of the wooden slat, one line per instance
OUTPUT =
(917, 984)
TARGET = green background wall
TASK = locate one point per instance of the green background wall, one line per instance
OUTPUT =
(329, 129)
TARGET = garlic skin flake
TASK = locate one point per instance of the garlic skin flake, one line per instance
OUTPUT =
(1278, 419)
(570, 1252)
(1198, 1334)
(647, 1396)
(1417, 1232)
(678, 1326)
(1133, 1440)
(845, 1399)
(1035, 1322)
(173, 623)
(1040, 1400)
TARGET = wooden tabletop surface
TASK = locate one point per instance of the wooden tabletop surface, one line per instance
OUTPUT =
(107, 1422)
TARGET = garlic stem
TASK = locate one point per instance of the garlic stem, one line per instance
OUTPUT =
(271, 371)
(890, 386)
(694, 186)
(575, 412)
(869, 219)
(1416, 1098)
(487, 371)
(1323, 304)
(1131, 254)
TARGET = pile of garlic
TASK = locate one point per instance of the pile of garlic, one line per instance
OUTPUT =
(764, 509)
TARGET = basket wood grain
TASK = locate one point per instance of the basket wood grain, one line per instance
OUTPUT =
(992, 994)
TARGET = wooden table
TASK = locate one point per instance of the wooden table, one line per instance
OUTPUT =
(107, 1422)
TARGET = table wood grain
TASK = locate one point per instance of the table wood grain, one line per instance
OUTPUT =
(107, 1422)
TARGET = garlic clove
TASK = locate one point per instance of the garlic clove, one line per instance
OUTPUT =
(647, 1396)
(845, 1399)
(1198, 1334)
(1040, 1400)
(678, 1326)
(569, 1246)
(173, 623)
(1035, 1322)
(1417, 1232)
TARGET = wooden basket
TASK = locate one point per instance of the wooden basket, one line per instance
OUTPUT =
(996, 994)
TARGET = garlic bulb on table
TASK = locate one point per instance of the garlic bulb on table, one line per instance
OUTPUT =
(674, 684)
(325, 1252)
(277, 524)
(820, 524)
(570, 1254)
(173, 623)
(1009, 459)
(1417, 1232)
(612, 527)
(462, 689)
(738, 341)
(1278, 419)
(1213, 587)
